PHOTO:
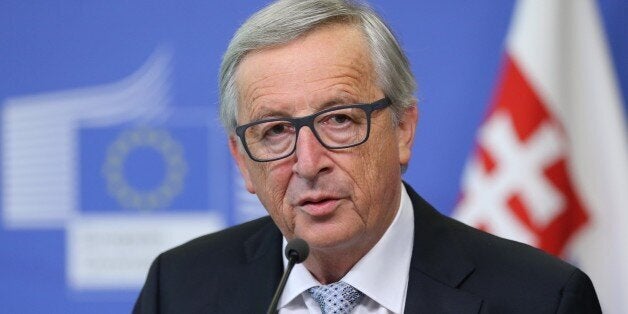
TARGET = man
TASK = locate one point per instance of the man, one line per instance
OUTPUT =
(317, 98)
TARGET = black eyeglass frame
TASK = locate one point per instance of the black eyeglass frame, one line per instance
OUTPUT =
(309, 122)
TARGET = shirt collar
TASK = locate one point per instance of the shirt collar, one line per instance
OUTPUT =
(381, 278)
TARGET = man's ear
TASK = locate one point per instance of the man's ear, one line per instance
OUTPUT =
(405, 132)
(240, 157)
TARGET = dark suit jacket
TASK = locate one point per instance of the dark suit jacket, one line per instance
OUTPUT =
(454, 269)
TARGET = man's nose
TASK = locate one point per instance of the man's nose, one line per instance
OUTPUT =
(311, 156)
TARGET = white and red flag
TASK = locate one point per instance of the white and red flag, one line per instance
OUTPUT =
(550, 166)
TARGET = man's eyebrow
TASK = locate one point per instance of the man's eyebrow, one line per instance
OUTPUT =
(340, 101)
(264, 113)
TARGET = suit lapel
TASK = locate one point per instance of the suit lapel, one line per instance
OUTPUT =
(438, 265)
(252, 290)
(263, 249)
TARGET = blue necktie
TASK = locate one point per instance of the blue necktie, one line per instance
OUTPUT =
(336, 298)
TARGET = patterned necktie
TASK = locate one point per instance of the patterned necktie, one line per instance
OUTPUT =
(336, 298)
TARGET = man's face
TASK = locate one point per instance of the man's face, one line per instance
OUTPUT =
(333, 199)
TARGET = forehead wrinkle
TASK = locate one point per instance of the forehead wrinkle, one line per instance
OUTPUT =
(341, 78)
(257, 87)
(355, 81)
(344, 91)
(352, 67)
(353, 77)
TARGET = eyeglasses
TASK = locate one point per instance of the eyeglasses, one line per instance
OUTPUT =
(335, 128)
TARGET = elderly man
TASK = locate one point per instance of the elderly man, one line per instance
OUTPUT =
(317, 97)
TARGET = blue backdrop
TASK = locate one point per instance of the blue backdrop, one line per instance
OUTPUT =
(109, 126)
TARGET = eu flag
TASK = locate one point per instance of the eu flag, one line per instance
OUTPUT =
(135, 169)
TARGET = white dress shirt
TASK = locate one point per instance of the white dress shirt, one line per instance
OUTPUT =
(382, 279)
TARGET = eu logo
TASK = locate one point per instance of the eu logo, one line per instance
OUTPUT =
(144, 169)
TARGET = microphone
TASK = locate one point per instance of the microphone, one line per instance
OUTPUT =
(296, 252)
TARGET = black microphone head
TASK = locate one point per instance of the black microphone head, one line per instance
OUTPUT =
(297, 250)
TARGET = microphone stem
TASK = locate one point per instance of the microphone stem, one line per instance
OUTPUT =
(272, 309)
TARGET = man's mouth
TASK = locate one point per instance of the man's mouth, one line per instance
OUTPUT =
(319, 207)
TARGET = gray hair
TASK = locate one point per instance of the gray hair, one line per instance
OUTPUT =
(286, 20)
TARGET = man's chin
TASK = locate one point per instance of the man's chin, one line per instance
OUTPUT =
(328, 240)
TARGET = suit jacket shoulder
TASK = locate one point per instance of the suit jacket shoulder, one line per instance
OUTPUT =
(231, 271)
(464, 270)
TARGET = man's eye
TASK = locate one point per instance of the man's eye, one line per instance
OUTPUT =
(277, 129)
(339, 119)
